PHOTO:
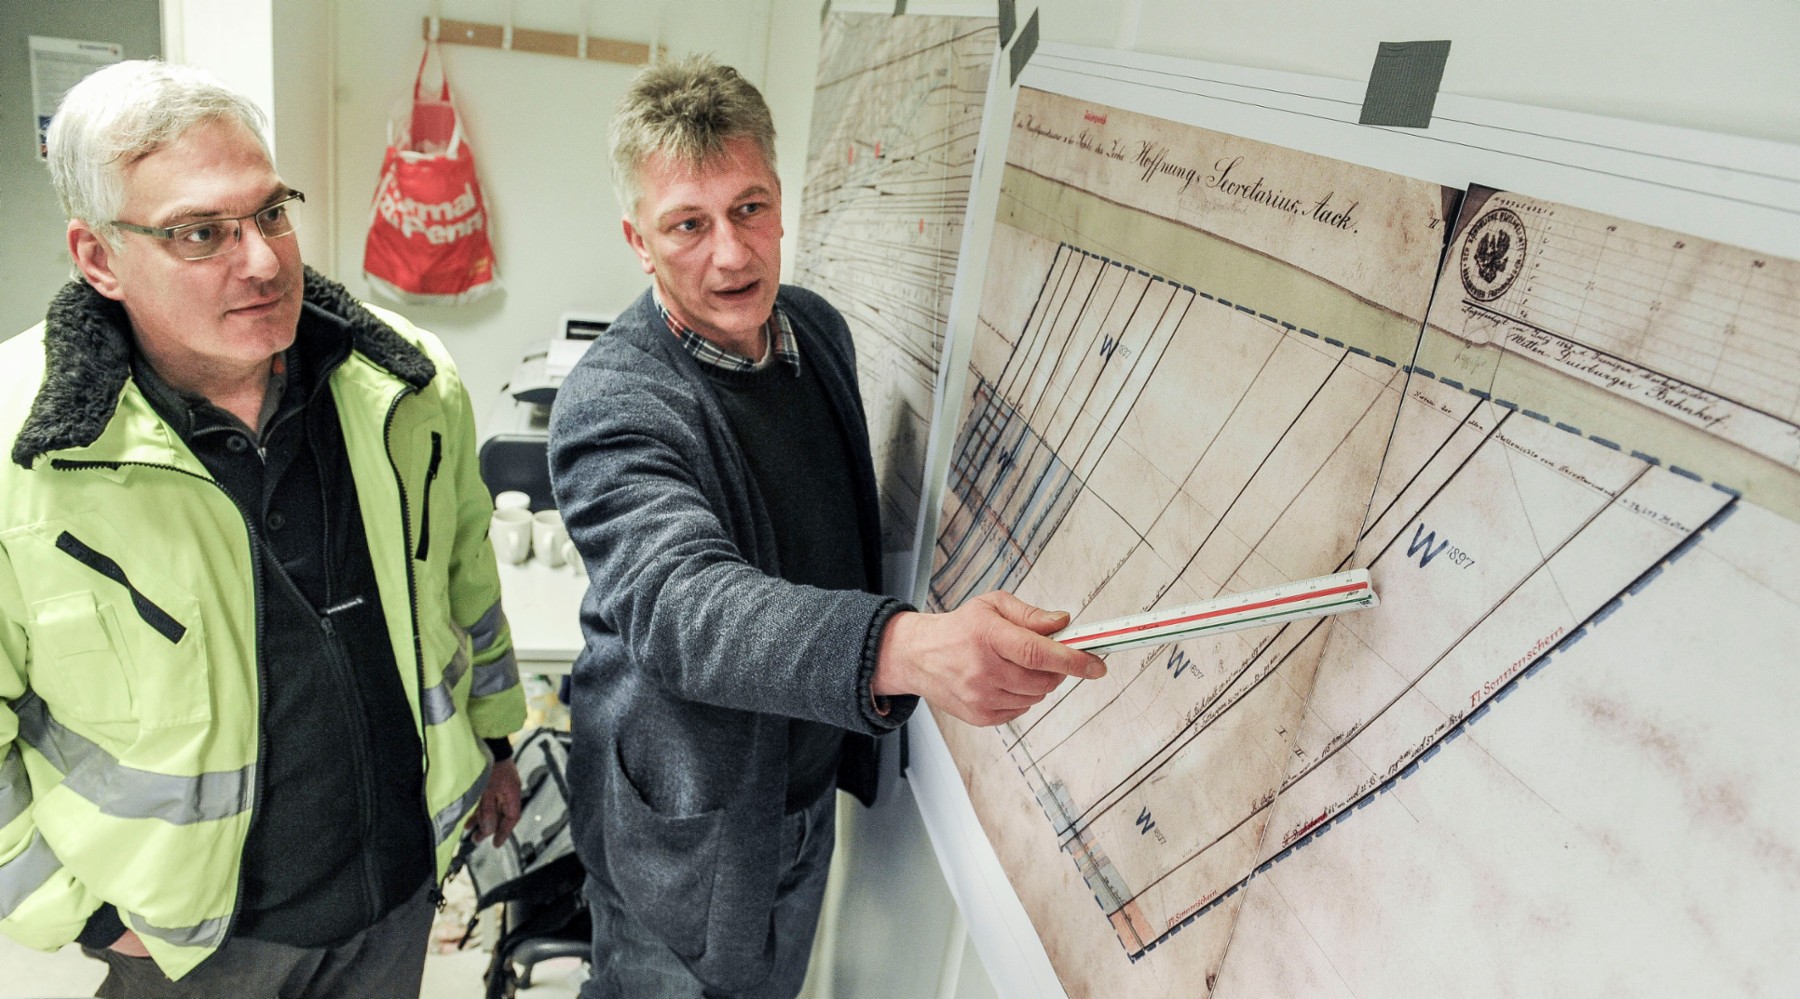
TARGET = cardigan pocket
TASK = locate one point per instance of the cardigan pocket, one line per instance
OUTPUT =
(663, 866)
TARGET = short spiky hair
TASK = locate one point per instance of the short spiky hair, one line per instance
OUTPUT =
(686, 110)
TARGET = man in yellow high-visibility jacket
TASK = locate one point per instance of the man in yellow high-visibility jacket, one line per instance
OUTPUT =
(253, 670)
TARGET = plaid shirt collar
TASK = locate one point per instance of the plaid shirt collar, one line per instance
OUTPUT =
(776, 332)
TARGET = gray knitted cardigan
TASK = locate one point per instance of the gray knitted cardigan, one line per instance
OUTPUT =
(697, 652)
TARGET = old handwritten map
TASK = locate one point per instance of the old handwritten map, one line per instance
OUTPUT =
(1201, 369)
(895, 119)
(1605, 810)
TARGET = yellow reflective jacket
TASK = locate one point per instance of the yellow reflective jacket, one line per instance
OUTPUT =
(129, 620)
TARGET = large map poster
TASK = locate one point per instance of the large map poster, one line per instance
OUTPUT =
(1552, 761)
(891, 151)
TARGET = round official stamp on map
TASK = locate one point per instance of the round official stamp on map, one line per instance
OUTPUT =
(1492, 253)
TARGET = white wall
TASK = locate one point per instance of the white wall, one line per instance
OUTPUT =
(537, 125)
(34, 254)
(234, 39)
(300, 89)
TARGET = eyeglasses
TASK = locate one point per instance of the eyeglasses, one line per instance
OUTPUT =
(209, 238)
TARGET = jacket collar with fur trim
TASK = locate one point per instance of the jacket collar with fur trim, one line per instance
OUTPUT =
(87, 355)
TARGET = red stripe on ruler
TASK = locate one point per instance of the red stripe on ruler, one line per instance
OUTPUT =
(1278, 601)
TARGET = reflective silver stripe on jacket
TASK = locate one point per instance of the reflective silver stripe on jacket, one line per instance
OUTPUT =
(445, 823)
(26, 873)
(210, 933)
(15, 786)
(128, 792)
(500, 675)
(436, 705)
(483, 632)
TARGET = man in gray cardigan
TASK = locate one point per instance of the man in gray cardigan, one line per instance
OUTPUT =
(711, 460)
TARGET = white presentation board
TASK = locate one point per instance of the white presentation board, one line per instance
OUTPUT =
(1176, 366)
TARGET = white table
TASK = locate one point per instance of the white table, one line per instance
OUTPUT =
(542, 603)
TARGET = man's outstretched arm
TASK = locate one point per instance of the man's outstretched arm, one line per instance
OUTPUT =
(986, 662)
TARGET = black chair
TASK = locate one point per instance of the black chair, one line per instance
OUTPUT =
(534, 876)
(536, 930)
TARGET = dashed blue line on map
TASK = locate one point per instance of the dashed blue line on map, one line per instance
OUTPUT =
(1570, 428)
(1635, 588)
(1254, 312)
(1506, 690)
(1683, 548)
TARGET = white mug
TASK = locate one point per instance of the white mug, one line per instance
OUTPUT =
(512, 499)
(572, 556)
(510, 533)
(547, 536)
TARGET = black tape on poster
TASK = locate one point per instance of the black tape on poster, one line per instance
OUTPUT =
(1024, 47)
(1403, 86)
(1009, 21)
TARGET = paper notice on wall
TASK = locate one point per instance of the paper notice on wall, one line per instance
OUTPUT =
(58, 64)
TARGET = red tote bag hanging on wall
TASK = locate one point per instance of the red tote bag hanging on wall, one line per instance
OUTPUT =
(428, 226)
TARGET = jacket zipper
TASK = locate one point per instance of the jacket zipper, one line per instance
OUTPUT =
(161, 620)
(262, 693)
(431, 473)
(359, 757)
(412, 609)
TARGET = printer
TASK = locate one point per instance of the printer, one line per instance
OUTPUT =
(514, 454)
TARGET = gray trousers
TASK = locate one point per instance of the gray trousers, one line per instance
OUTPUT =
(385, 961)
(630, 962)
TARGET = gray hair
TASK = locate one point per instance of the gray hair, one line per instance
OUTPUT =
(123, 113)
(685, 110)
